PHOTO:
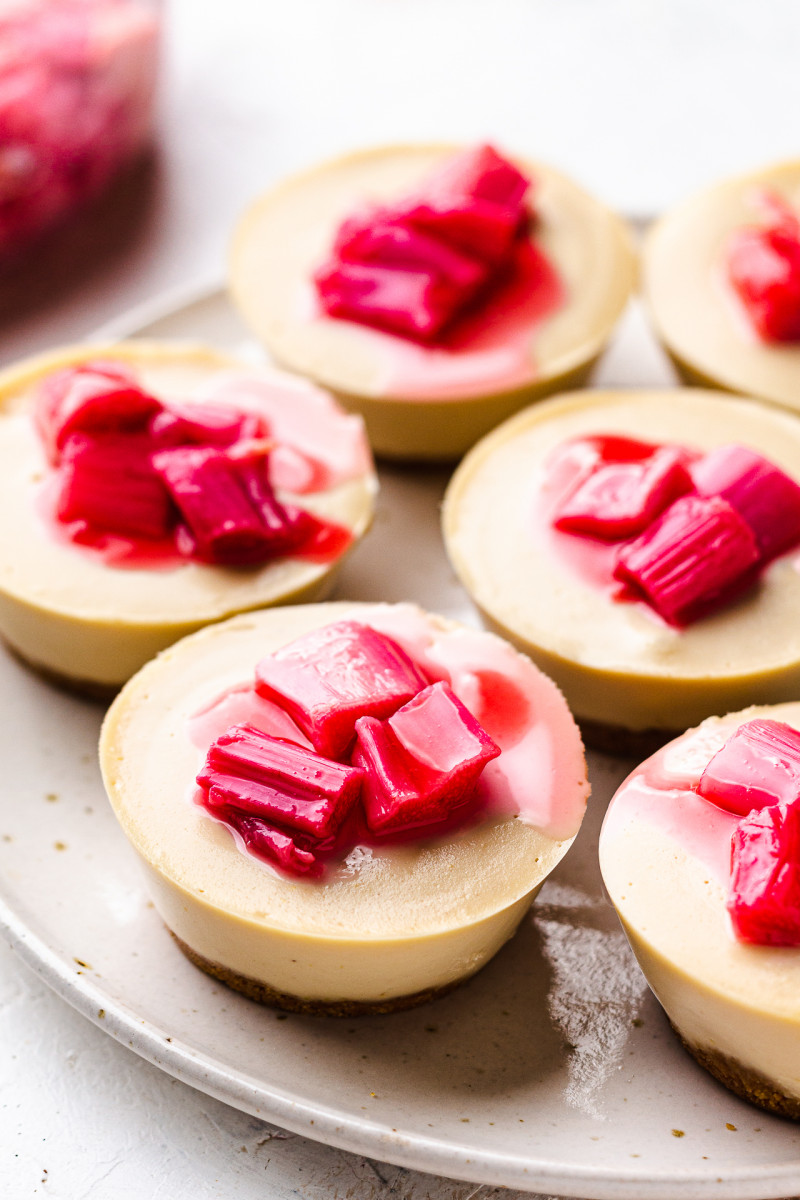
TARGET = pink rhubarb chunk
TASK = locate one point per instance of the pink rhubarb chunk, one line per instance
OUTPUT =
(389, 242)
(109, 482)
(766, 497)
(279, 781)
(224, 524)
(474, 202)
(764, 270)
(695, 556)
(275, 845)
(620, 499)
(204, 425)
(415, 303)
(330, 677)
(287, 527)
(414, 267)
(95, 397)
(421, 763)
(758, 765)
(764, 897)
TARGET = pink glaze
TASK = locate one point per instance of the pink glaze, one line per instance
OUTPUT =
(660, 793)
(540, 774)
(319, 445)
(489, 350)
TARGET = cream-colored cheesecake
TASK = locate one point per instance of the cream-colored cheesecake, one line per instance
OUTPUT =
(665, 858)
(692, 306)
(74, 617)
(422, 402)
(629, 677)
(386, 927)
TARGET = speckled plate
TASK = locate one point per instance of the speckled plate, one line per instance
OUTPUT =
(552, 1071)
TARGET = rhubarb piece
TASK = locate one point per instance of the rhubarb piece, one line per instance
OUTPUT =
(764, 270)
(330, 677)
(764, 495)
(474, 202)
(415, 267)
(109, 482)
(388, 242)
(620, 499)
(279, 781)
(204, 425)
(696, 556)
(482, 174)
(205, 486)
(421, 763)
(759, 765)
(286, 526)
(95, 397)
(764, 897)
(417, 304)
(274, 845)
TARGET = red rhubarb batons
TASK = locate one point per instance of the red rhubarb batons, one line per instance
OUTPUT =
(421, 763)
(763, 266)
(693, 556)
(329, 678)
(759, 765)
(414, 267)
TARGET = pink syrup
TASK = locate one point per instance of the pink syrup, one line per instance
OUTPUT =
(659, 795)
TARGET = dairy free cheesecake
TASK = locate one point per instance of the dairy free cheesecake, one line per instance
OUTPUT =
(434, 289)
(452, 808)
(100, 565)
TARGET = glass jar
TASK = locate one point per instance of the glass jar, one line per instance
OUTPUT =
(77, 82)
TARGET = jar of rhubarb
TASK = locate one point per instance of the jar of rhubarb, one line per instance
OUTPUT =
(77, 81)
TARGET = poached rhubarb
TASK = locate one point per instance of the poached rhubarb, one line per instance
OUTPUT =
(763, 494)
(109, 482)
(619, 499)
(329, 678)
(191, 478)
(264, 840)
(759, 765)
(764, 897)
(421, 763)
(94, 397)
(279, 781)
(205, 487)
(763, 266)
(696, 554)
(415, 267)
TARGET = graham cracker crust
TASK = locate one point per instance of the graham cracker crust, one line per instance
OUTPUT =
(743, 1081)
(262, 993)
(88, 689)
(622, 742)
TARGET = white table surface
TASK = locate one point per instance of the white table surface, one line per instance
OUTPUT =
(642, 100)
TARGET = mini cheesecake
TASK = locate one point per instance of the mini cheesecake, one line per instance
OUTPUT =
(665, 855)
(77, 617)
(632, 678)
(694, 307)
(431, 401)
(389, 923)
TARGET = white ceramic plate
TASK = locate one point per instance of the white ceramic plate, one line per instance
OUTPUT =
(552, 1071)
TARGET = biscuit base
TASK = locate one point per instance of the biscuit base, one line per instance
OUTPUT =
(88, 689)
(262, 993)
(623, 742)
(744, 1081)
